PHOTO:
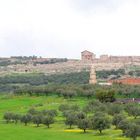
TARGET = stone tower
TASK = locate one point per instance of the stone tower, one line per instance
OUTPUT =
(92, 79)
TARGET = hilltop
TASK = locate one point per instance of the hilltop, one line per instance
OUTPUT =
(49, 66)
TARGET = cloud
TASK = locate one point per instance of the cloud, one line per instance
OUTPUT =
(94, 4)
(63, 28)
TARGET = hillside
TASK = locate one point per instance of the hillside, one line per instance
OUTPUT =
(10, 82)
(51, 66)
(57, 131)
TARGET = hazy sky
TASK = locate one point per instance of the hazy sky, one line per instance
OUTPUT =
(64, 28)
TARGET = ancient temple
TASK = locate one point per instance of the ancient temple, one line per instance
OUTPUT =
(92, 79)
(87, 56)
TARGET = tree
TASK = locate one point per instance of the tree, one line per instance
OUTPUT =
(137, 121)
(70, 119)
(81, 115)
(117, 119)
(32, 111)
(127, 91)
(92, 106)
(67, 109)
(16, 117)
(136, 111)
(123, 125)
(101, 108)
(26, 119)
(100, 121)
(133, 110)
(75, 108)
(88, 93)
(59, 91)
(69, 93)
(47, 120)
(105, 95)
(133, 131)
(52, 113)
(37, 119)
(8, 116)
(64, 107)
(83, 124)
(114, 109)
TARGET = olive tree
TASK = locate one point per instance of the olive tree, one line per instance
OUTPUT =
(16, 117)
(26, 119)
(37, 119)
(83, 124)
(47, 120)
(117, 119)
(133, 110)
(100, 121)
(8, 116)
(123, 125)
(71, 119)
(133, 131)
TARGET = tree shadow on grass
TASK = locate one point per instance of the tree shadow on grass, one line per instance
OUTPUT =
(100, 134)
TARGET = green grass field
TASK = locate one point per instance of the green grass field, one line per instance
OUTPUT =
(58, 131)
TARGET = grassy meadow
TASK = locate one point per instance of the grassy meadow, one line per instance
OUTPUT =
(58, 130)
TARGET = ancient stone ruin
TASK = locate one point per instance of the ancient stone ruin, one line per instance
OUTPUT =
(92, 79)
(88, 56)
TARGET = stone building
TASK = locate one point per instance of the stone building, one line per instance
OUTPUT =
(87, 56)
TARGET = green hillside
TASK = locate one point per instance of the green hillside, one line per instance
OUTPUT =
(58, 131)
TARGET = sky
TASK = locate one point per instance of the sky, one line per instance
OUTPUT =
(64, 28)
